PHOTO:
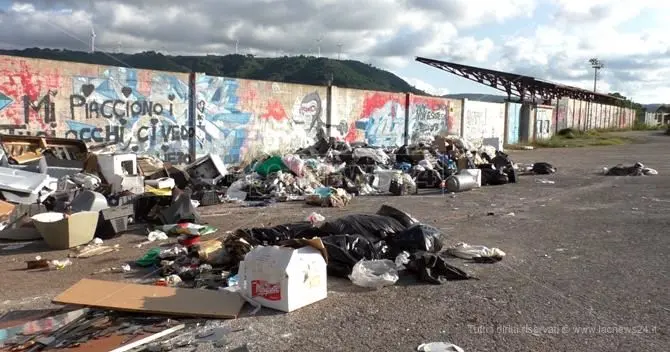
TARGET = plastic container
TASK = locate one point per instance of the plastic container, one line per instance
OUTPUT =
(476, 173)
(460, 183)
(62, 231)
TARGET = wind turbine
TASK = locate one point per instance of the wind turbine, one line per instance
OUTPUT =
(92, 39)
(318, 46)
(90, 7)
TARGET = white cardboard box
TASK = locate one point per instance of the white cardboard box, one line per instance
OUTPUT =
(285, 277)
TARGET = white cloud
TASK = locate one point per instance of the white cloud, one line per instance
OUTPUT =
(386, 33)
(426, 87)
(370, 30)
(636, 62)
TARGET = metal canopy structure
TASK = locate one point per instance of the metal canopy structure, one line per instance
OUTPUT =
(524, 87)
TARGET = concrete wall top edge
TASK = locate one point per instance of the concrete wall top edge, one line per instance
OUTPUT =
(74, 63)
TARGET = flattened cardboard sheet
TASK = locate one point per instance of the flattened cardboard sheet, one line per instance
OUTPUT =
(153, 299)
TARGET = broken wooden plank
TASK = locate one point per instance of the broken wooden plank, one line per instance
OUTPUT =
(149, 339)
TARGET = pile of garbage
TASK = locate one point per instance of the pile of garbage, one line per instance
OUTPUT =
(330, 173)
(637, 169)
(265, 264)
(77, 197)
(72, 195)
(59, 183)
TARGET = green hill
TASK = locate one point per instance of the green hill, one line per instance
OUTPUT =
(297, 69)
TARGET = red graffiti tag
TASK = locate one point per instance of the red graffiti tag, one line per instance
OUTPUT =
(20, 80)
(351, 134)
(377, 101)
(430, 103)
(275, 110)
(144, 82)
(247, 95)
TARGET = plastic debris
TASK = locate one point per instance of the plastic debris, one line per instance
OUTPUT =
(173, 280)
(401, 260)
(187, 228)
(157, 235)
(315, 218)
(374, 273)
(466, 251)
(59, 264)
(173, 252)
(153, 236)
(150, 258)
(125, 268)
(233, 281)
(439, 347)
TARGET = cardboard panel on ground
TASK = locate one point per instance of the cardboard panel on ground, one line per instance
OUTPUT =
(153, 299)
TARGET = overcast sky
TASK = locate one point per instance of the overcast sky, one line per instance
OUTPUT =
(549, 39)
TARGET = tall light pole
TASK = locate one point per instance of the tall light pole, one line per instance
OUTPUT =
(597, 66)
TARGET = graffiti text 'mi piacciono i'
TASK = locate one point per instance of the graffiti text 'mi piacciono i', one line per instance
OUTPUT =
(117, 108)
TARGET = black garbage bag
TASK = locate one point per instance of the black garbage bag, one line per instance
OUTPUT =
(511, 174)
(371, 226)
(543, 168)
(402, 155)
(493, 177)
(622, 170)
(428, 179)
(501, 160)
(431, 268)
(344, 251)
(402, 217)
(418, 237)
(270, 236)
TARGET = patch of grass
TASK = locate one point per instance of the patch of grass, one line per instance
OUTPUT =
(571, 138)
(641, 126)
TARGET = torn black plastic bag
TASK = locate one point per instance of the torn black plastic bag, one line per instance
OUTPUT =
(270, 236)
(493, 177)
(418, 237)
(431, 268)
(402, 217)
(344, 251)
(543, 168)
(371, 226)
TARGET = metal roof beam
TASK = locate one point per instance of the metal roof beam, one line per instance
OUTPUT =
(519, 85)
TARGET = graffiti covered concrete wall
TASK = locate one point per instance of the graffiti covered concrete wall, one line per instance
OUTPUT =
(176, 115)
(483, 120)
(428, 116)
(375, 117)
(239, 119)
(142, 110)
(544, 117)
(513, 123)
(562, 113)
(583, 115)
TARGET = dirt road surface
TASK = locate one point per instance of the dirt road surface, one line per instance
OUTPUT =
(587, 266)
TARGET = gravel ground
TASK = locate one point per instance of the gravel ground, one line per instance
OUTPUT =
(586, 267)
